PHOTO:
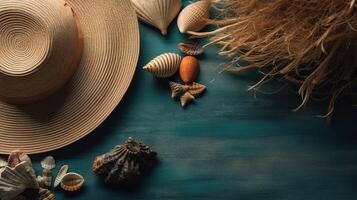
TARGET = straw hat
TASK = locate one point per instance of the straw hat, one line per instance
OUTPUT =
(64, 67)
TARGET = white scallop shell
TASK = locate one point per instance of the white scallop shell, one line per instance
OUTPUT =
(186, 99)
(14, 181)
(48, 163)
(194, 17)
(72, 182)
(158, 13)
(164, 66)
(61, 173)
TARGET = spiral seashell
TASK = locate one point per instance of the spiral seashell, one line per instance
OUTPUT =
(158, 13)
(45, 194)
(48, 163)
(164, 66)
(191, 48)
(186, 99)
(61, 173)
(72, 182)
(16, 157)
(194, 17)
(196, 89)
(124, 163)
(177, 89)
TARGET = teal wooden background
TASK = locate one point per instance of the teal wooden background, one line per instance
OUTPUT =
(231, 144)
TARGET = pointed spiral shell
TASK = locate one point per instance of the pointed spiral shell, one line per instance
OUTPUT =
(194, 17)
(164, 66)
(177, 89)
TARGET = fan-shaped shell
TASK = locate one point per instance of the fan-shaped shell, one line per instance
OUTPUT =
(124, 163)
(177, 89)
(14, 181)
(72, 182)
(164, 66)
(16, 157)
(45, 194)
(186, 99)
(194, 17)
(61, 173)
(196, 89)
(48, 163)
(158, 13)
(190, 48)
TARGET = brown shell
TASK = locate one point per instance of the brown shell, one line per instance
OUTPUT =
(196, 89)
(177, 89)
(16, 157)
(190, 48)
(72, 182)
(186, 99)
(45, 194)
(189, 69)
(124, 163)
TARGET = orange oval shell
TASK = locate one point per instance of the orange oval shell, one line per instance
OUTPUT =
(189, 69)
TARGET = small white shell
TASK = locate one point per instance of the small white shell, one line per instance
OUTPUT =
(158, 13)
(48, 163)
(164, 65)
(61, 173)
(186, 99)
(194, 17)
(72, 182)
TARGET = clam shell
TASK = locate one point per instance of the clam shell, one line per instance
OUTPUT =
(14, 181)
(194, 17)
(16, 157)
(61, 173)
(196, 89)
(72, 182)
(48, 163)
(158, 13)
(189, 69)
(164, 66)
(45, 194)
(186, 99)
(191, 48)
(177, 89)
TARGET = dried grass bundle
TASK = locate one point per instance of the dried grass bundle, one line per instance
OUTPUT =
(310, 42)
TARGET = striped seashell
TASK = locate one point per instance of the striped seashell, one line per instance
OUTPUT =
(61, 173)
(177, 89)
(48, 163)
(72, 182)
(164, 65)
(194, 17)
(190, 48)
(186, 99)
(196, 89)
(45, 194)
(158, 13)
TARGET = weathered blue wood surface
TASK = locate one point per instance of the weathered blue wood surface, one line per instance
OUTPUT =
(231, 144)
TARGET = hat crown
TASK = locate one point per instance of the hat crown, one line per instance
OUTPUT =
(40, 48)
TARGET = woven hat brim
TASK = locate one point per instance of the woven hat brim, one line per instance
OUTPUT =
(109, 59)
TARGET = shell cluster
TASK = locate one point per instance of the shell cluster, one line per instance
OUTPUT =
(47, 165)
(194, 17)
(124, 163)
(158, 13)
(186, 93)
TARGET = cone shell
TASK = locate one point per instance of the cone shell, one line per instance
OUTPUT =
(189, 69)
(72, 182)
(16, 157)
(45, 194)
(48, 163)
(186, 99)
(164, 66)
(190, 48)
(158, 13)
(194, 17)
(124, 163)
(61, 173)
(177, 89)
(196, 89)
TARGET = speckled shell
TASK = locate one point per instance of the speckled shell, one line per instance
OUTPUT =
(14, 181)
(164, 66)
(177, 90)
(45, 194)
(186, 99)
(190, 48)
(72, 182)
(158, 13)
(124, 163)
(16, 157)
(48, 163)
(196, 89)
(61, 173)
(189, 69)
(194, 17)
